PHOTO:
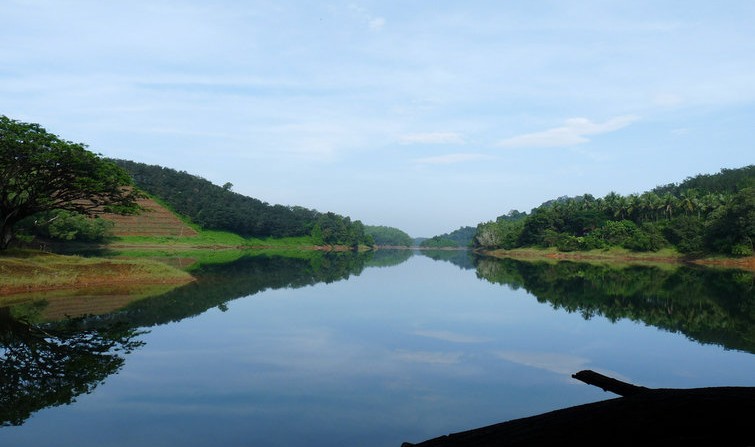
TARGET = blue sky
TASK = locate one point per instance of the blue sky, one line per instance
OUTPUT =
(426, 116)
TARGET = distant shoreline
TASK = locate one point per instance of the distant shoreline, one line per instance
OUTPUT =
(614, 256)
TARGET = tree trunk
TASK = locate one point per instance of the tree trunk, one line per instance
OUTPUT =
(6, 235)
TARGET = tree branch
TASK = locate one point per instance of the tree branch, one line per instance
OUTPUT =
(609, 384)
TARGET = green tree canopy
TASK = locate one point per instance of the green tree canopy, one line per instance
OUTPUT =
(388, 236)
(704, 214)
(40, 172)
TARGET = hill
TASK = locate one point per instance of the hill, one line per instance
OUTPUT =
(155, 220)
(388, 236)
(457, 238)
(705, 214)
(214, 207)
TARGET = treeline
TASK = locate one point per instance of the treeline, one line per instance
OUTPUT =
(388, 236)
(708, 213)
(458, 238)
(216, 207)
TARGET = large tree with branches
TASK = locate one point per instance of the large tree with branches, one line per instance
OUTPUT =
(41, 172)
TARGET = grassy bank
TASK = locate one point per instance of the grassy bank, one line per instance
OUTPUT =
(218, 240)
(622, 256)
(26, 270)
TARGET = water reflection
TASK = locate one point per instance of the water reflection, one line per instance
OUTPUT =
(388, 258)
(706, 305)
(218, 284)
(45, 365)
(464, 259)
(48, 359)
(414, 321)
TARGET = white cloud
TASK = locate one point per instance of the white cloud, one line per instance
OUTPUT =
(574, 131)
(451, 159)
(432, 138)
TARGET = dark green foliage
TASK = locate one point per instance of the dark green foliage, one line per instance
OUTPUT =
(713, 213)
(731, 228)
(219, 208)
(41, 172)
(463, 236)
(685, 233)
(728, 181)
(332, 229)
(388, 236)
(505, 232)
(67, 226)
(439, 242)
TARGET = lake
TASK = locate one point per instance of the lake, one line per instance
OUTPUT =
(361, 349)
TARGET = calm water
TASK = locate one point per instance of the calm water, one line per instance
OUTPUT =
(368, 350)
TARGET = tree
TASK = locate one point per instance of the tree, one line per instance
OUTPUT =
(731, 228)
(388, 236)
(41, 172)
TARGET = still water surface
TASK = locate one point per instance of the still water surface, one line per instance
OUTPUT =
(368, 350)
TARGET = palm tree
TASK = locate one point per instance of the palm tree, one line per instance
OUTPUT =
(668, 203)
(688, 201)
(651, 202)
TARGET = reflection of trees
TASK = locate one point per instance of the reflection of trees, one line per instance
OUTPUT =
(388, 257)
(217, 284)
(707, 305)
(49, 365)
(464, 259)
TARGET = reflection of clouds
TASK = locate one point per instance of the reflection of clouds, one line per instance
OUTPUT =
(549, 361)
(452, 337)
(435, 358)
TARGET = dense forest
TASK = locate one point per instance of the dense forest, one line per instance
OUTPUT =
(388, 236)
(708, 213)
(462, 237)
(215, 207)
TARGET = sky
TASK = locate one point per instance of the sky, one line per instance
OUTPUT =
(421, 115)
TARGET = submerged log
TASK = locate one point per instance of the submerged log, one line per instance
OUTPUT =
(718, 416)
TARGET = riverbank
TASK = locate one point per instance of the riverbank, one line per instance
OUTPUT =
(135, 260)
(30, 270)
(622, 256)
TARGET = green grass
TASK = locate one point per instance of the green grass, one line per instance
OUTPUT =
(207, 238)
(616, 256)
(22, 270)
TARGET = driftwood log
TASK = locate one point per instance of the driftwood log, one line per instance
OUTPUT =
(718, 416)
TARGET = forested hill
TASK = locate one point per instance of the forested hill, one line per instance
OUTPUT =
(219, 208)
(708, 213)
(456, 239)
(388, 236)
